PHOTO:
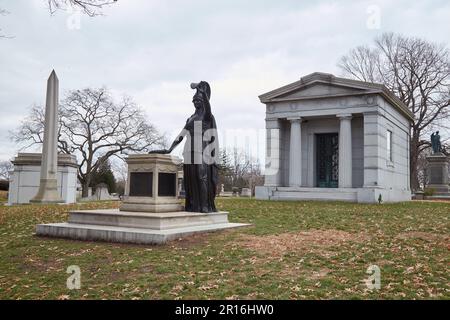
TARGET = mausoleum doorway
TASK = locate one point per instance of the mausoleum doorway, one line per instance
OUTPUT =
(327, 160)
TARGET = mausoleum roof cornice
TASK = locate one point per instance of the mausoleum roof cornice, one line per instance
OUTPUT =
(360, 88)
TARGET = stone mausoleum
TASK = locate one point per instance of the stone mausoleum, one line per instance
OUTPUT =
(24, 180)
(331, 138)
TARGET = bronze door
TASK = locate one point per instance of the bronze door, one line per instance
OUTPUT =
(327, 157)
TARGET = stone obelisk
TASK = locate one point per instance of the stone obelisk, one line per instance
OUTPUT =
(48, 191)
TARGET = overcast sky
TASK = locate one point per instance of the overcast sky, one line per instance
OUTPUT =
(152, 50)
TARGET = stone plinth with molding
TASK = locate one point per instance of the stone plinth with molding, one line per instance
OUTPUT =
(437, 171)
(25, 178)
(152, 184)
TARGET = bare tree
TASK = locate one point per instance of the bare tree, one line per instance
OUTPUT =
(3, 12)
(418, 72)
(241, 164)
(5, 168)
(254, 176)
(90, 7)
(422, 163)
(238, 169)
(120, 170)
(95, 128)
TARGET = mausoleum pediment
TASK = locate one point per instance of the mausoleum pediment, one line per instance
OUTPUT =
(319, 85)
(318, 90)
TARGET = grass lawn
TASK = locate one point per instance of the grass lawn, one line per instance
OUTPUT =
(3, 196)
(294, 250)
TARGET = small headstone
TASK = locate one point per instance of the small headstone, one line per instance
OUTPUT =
(246, 192)
(102, 192)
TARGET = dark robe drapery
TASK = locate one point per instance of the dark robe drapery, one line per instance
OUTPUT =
(200, 176)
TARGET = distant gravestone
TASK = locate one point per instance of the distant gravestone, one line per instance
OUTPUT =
(101, 192)
(246, 192)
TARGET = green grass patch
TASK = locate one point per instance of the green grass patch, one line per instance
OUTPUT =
(3, 196)
(294, 250)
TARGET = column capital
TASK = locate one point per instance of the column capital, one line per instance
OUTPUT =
(272, 123)
(294, 119)
(344, 116)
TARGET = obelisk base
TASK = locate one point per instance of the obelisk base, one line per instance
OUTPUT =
(48, 192)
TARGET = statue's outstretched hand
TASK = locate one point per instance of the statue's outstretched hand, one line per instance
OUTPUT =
(163, 151)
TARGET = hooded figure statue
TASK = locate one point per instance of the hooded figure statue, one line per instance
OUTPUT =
(200, 153)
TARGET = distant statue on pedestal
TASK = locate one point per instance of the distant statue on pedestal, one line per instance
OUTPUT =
(200, 153)
(437, 168)
(436, 142)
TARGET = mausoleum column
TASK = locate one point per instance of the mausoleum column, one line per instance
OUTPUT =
(345, 150)
(273, 153)
(295, 156)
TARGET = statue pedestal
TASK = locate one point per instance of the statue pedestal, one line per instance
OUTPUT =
(112, 225)
(152, 184)
(151, 212)
(437, 171)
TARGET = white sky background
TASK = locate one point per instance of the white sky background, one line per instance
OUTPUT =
(152, 50)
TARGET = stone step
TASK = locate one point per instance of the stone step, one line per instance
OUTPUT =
(310, 189)
(125, 234)
(320, 194)
(146, 220)
(438, 197)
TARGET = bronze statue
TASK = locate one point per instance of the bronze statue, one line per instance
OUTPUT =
(200, 153)
(436, 142)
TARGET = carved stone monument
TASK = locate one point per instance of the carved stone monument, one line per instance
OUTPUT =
(25, 179)
(151, 212)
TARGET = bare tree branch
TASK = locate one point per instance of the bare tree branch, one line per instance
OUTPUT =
(94, 127)
(5, 168)
(4, 12)
(89, 7)
(417, 71)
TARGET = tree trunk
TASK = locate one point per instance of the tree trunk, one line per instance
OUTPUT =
(85, 189)
(414, 157)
